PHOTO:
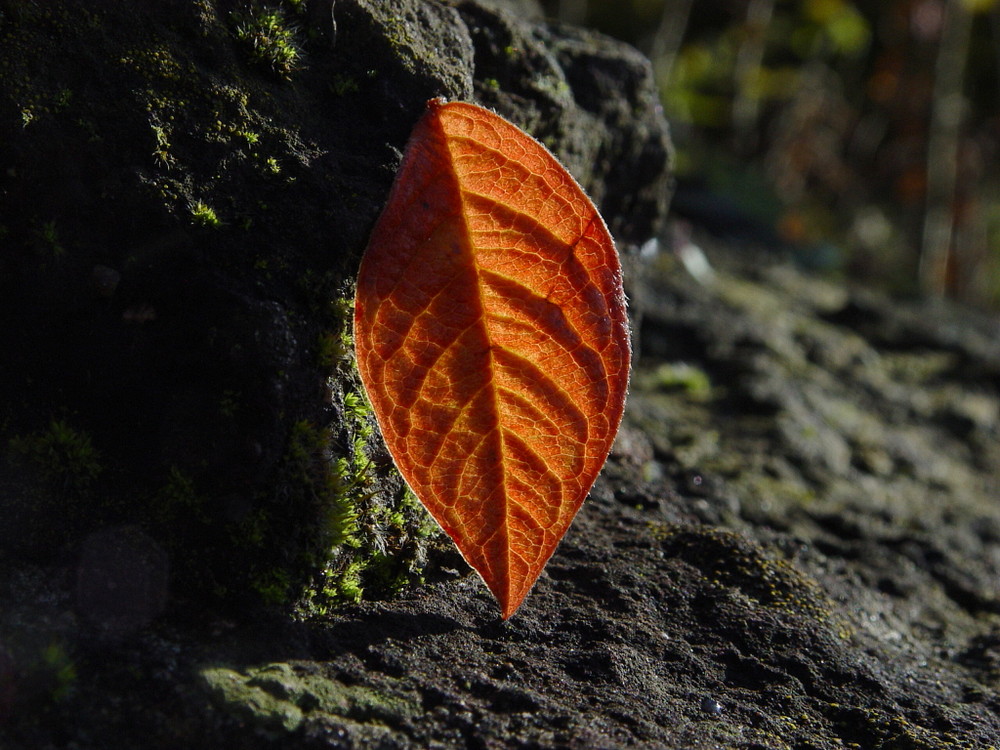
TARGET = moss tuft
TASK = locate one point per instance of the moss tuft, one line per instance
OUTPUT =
(271, 41)
(203, 215)
(65, 456)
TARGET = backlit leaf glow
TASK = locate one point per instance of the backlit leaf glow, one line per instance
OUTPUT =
(492, 340)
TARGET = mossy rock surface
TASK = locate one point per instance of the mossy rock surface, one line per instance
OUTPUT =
(185, 194)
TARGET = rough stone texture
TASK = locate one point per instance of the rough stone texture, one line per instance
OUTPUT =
(795, 544)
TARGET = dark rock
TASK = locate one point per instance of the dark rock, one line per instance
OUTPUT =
(121, 580)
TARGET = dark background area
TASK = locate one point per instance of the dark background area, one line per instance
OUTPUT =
(861, 133)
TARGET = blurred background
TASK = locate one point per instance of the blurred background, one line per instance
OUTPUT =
(860, 135)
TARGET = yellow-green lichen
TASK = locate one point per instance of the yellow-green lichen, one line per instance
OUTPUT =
(728, 560)
(280, 696)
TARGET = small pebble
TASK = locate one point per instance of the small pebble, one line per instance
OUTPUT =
(711, 706)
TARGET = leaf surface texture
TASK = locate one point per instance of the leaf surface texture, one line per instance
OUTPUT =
(492, 339)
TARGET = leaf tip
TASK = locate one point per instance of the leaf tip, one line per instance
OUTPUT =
(507, 609)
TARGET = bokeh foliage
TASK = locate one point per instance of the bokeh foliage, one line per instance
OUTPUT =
(861, 131)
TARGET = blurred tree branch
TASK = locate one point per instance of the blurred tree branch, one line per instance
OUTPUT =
(668, 38)
(948, 109)
(749, 60)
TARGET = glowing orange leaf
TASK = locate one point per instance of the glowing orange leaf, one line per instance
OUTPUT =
(492, 339)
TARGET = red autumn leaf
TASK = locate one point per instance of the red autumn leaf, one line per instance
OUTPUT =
(492, 339)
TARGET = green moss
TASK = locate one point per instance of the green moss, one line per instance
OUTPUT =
(399, 37)
(45, 664)
(63, 99)
(270, 40)
(346, 584)
(47, 240)
(341, 518)
(335, 486)
(335, 348)
(229, 404)
(162, 151)
(249, 137)
(373, 531)
(178, 501)
(274, 587)
(203, 215)
(329, 350)
(61, 671)
(672, 376)
(341, 84)
(64, 455)
(190, 115)
(208, 143)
